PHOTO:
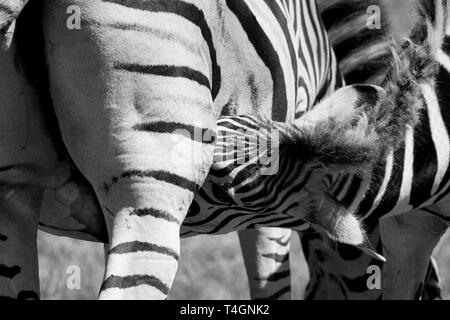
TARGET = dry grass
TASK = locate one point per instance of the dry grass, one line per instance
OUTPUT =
(211, 267)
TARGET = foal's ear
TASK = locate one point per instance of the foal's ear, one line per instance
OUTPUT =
(340, 224)
(344, 104)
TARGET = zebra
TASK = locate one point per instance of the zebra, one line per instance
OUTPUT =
(403, 200)
(285, 12)
(283, 288)
(229, 195)
(330, 149)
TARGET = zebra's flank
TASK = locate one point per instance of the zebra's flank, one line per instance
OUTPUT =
(362, 52)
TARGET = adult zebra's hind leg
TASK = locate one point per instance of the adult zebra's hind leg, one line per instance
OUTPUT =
(339, 271)
(133, 104)
(408, 242)
(266, 258)
(347, 273)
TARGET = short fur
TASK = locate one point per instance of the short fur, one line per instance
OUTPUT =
(331, 143)
(362, 53)
(413, 63)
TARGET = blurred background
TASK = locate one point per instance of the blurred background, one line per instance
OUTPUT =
(211, 267)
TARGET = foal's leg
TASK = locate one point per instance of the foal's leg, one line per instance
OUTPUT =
(266, 258)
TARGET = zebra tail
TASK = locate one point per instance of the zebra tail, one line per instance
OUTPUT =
(361, 50)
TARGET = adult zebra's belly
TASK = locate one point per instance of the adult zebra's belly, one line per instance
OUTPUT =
(72, 211)
(214, 211)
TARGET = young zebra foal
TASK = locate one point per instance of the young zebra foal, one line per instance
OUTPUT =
(336, 137)
(265, 173)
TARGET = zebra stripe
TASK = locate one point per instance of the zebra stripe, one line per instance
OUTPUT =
(383, 187)
(189, 12)
(439, 135)
(266, 51)
(9, 272)
(168, 71)
(137, 246)
(117, 282)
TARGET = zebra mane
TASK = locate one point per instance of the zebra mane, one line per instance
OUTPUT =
(326, 143)
(362, 53)
(413, 63)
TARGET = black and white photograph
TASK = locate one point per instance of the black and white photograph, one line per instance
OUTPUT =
(224, 150)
